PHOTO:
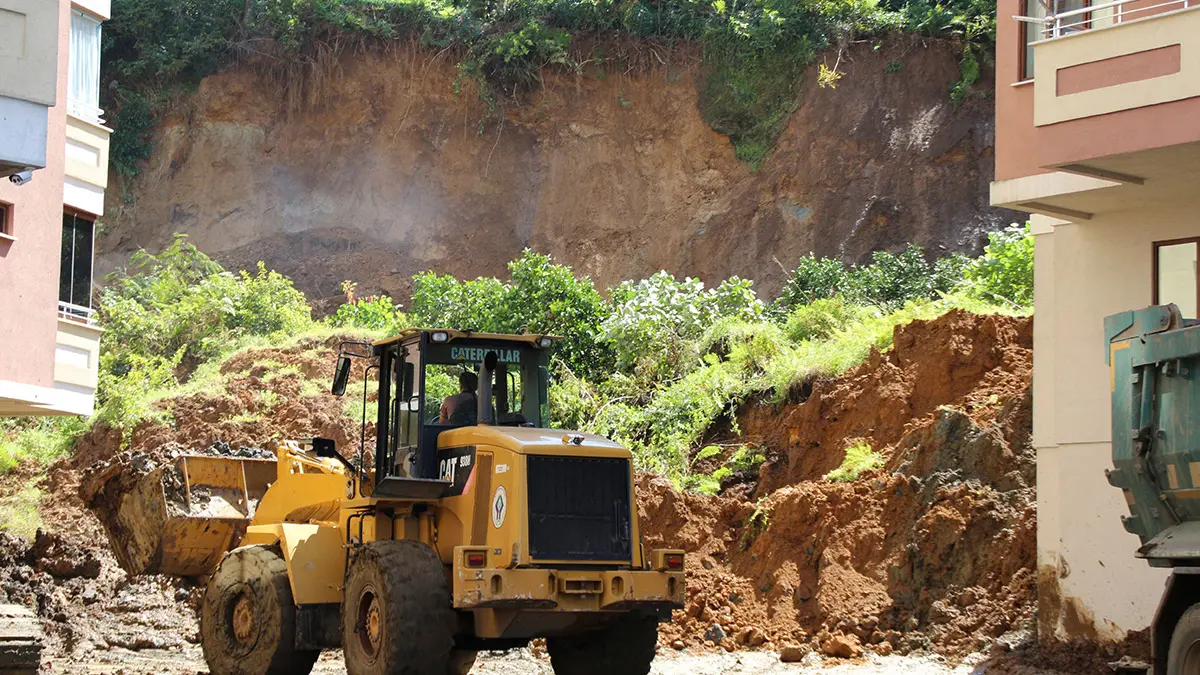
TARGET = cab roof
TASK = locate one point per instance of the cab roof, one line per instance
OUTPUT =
(409, 333)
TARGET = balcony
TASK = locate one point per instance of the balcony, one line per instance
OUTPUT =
(1116, 96)
(86, 162)
(76, 368)
(28, 81)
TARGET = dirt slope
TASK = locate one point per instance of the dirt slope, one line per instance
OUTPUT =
(934, 550)
(384, 172)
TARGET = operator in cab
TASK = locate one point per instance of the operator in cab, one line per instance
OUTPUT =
(461, 408)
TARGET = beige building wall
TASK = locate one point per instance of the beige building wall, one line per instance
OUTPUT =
(1090, 583)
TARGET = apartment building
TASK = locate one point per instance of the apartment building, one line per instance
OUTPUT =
(1098, 138)
(53, 172)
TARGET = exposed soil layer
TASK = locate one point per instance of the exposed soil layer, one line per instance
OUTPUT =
(381, 171)
(935, 550)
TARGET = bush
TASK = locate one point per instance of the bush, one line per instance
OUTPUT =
(375, 313)
(655, 320)
(813, 279)
(860, 458)
(165, 314)
(541, 297)
(1004, 273)
(818, 319)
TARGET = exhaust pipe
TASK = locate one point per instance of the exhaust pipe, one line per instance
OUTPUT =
(486, 371)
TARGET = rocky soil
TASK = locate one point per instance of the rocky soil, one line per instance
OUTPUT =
(930, 555)
(378, 170)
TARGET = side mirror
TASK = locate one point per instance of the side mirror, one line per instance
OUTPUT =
(341, 375)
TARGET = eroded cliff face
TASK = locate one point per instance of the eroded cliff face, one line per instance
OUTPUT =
(386, 172)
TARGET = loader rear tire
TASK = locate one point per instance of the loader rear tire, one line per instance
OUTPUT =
(397, 614)
(1183, 656)
(248, 618)
(624, 647)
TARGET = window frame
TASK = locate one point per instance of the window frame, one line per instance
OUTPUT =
(1154, 300)
(77, 214)
(7, 220)
(88, 110)
(1023, 43)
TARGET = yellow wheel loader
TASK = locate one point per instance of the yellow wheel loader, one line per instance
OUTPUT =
(472, 527)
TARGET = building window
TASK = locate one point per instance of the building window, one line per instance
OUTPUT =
(1030, 33)
(1175, 277)
(75, 270)
(6, 219)
(83, 81)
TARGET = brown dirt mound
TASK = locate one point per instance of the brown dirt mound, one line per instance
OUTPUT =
(264, 394)
(973, 363)
(933, 552)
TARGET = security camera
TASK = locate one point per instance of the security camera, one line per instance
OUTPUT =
(21, 177)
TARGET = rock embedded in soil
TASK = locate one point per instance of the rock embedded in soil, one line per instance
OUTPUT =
(842, 647)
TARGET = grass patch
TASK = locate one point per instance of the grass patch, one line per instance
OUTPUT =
(860, 458)
(19, 512)
(41, 440)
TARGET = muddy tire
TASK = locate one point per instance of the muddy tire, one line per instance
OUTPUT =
(248, 619)
(1183, 656)
(20, 641)
(625, 647)
(397, 613)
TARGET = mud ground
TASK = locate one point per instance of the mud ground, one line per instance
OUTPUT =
(525, 662)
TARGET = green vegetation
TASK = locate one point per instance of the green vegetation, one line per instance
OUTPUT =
(754, 51)
(860, 458)
(19, 512)
(656, 364)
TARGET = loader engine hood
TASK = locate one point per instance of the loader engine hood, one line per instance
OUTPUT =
(528, 441)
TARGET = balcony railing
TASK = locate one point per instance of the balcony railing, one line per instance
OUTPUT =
(1066, 22)
(77, 313)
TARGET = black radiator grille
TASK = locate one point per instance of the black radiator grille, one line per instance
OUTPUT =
(579, 508)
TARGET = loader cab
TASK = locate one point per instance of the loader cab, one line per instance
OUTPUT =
(418, 369)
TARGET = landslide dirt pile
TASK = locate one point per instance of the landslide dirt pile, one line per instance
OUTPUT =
(91, 609)
(259, 395)
(933, 551)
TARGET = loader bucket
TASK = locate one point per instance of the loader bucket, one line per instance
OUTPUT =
(180, 518)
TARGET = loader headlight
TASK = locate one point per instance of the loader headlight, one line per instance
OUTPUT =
(666, 560)
(439, 336)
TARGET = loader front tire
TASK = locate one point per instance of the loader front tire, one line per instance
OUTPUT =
(624, 647)
(248, 618)
(397, 613)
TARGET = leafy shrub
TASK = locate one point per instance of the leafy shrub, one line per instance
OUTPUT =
(893, 279)
(376, 313)
(169, 312)
(655, 320)
(860, 458)
(541, 297)
(819, 319)
(1004, 273)
(813, 279)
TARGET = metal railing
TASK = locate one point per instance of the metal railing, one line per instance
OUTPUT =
(77, 313)
(1066, 22)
